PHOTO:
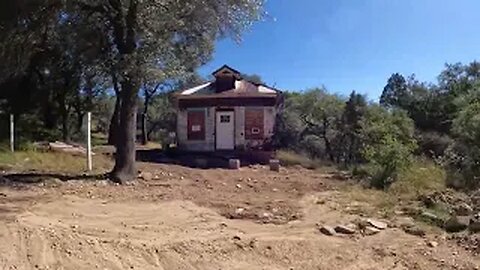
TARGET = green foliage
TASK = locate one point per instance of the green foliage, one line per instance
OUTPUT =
(463, 156)
(395, 93)
(389, 144)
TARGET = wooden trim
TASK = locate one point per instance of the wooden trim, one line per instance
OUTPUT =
(228, 102)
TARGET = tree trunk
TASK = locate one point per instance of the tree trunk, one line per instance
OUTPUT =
(115, 122)
(124, 35)
(124, 169)
(144, 119)
(80, 116)
(144, 129)
(64, 112)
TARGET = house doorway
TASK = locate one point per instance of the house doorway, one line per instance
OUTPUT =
(225, 130)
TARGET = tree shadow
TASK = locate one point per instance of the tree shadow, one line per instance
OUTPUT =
(39, 177)
(202, 160)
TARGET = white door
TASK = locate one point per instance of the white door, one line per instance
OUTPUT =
(225, 131)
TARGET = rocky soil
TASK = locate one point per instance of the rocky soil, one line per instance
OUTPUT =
(181, 218)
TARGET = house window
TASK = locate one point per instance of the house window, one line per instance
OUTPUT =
(196, 125)
(254, 124)
(224, 118)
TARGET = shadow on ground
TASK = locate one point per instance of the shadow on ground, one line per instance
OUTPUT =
(38, 177)
(211, 160)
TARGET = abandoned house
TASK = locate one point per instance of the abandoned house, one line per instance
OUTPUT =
(229, 113)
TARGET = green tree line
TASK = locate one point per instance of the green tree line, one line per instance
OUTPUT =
(439, 121)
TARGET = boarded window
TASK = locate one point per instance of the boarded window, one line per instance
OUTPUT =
(254, 119)
(196, 125)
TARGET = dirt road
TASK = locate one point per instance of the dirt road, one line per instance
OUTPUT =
(182, 218)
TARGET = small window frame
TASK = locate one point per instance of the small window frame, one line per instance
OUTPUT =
(224, 118)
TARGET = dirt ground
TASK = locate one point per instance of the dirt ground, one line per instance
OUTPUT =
(184, 218)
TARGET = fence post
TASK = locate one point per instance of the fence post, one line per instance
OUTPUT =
(12, 133)
(89, 141)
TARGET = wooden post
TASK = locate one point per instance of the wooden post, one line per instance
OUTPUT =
(12, 133)
(89, 141)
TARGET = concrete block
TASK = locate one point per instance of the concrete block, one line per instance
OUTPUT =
(234, 164)
(275, 165)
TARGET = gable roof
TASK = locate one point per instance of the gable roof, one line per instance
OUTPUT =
(242, 88)
(226, 68)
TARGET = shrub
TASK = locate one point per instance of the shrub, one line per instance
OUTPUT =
(388, 144)
(432, 144)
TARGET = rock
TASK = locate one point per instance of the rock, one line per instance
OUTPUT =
(53, 182)
(327, 230)
(414, 230)
(463, 209)
(239, 211)
(346, 229)
(474, 225)
(146, 176)
(238, 186)
(404, 222)
(369, 230)
(456, 224)
(377, 224)
(267, 215)
(432, 244)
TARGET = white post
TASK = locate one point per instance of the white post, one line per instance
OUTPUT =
(12, 133)
(89, 141)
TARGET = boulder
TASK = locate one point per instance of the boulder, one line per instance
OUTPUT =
(404, 222)
(369, 230)
(456, 224)
(463, 209)
(346, 229)
(414, 230)
(474, 224)
(327, 230)
(146, 176)
(377, 224)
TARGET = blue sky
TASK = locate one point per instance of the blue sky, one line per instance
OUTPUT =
(354, 44)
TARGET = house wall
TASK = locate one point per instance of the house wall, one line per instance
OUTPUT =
(182, 131)
(209, 143)
(269, 116)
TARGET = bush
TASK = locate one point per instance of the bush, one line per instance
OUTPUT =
(432, 144)
(389, 156)
(388, 144)
(314, 146)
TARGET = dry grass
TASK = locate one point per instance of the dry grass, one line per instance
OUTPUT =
(51, 162)
(421, 178)
(289, 158)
